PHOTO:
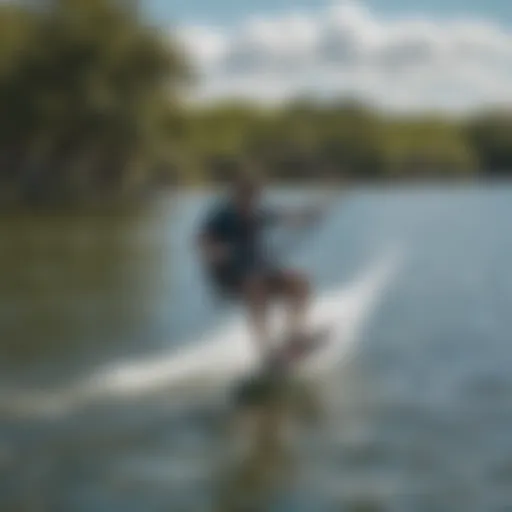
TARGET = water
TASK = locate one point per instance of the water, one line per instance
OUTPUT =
(95, 311)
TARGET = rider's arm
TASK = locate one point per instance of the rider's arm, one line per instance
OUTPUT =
(295, 216)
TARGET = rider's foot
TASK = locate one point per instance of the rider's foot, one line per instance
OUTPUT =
(296, 345)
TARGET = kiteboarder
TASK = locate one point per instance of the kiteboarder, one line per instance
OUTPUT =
(232, 244)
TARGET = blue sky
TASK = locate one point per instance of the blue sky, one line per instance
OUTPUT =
(440, 54)
(232, 11)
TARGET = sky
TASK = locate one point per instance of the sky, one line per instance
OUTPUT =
(226, 12)
(429, 54)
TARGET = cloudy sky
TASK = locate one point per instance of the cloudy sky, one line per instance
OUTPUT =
(441, 54)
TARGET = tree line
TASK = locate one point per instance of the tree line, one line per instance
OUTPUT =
(91, 105)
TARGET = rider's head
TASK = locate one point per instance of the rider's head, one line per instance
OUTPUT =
(246, 190)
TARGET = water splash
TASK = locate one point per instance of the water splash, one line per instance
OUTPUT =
(220, 357)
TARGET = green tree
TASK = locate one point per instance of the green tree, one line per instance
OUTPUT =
(491, 136)
(86, 94)
(428, 147)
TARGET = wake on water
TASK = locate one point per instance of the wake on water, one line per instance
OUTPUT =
(219, 358)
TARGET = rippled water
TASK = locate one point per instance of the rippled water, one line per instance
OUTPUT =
(419, 419)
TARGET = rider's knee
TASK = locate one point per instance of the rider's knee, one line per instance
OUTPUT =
(255, 288)
(299, 285)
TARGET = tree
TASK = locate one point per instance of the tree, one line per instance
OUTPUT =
(86, 94)
(491, 135)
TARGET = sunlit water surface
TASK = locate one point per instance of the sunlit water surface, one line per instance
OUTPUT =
(418, 419)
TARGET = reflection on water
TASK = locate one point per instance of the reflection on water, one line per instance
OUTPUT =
(66, 280)
(78, 287)
(419, 420)
(264, 434)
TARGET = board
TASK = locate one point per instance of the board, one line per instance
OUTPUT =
(295, 351)
(276, 373)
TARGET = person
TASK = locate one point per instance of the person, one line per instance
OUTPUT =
(232, 244)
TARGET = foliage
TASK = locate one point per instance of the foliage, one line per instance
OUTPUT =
(91, 106)
(86, 95)
(344, 140)
(491, 136)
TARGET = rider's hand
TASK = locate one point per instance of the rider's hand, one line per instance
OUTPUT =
(304, 216)
(314, 213)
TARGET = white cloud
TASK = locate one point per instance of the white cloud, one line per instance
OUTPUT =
(206, 46)
(404, 63)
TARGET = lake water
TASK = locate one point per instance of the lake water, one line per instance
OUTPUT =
(418, 419)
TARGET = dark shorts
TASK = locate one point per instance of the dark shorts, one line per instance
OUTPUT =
(230, 281)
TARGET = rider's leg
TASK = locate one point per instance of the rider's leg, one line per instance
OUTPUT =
(296, 291)
(256, 294)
